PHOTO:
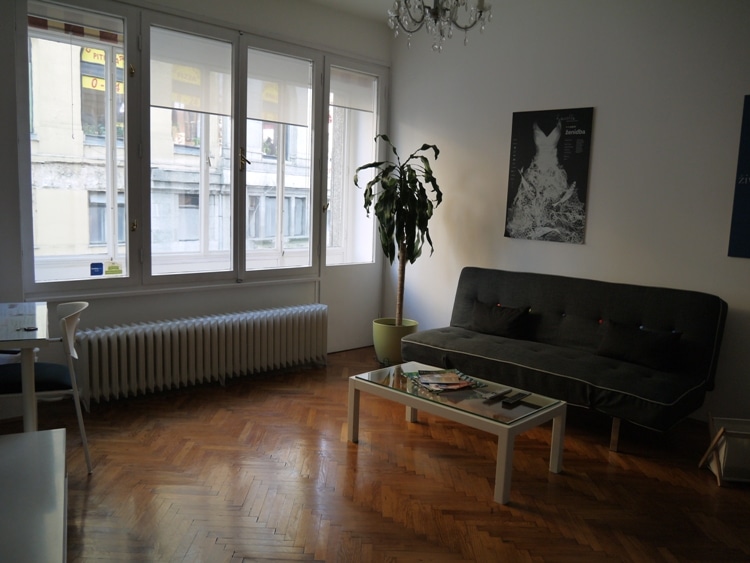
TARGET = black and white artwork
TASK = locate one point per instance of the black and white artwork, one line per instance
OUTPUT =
(548, 179)
(739, 235)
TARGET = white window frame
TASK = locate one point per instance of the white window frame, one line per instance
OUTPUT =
(136, 49)
(354, 196)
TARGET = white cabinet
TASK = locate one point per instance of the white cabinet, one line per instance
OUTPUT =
(33, 497)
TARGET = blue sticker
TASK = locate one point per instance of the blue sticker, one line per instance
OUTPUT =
(97, 269)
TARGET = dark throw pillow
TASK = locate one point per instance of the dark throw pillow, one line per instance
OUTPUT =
(490, 318)
(650, 348)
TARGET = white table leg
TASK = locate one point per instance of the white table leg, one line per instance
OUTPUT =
(556, 446)
(28, 387)
(353, 413)
(411, 414)
(504, 466)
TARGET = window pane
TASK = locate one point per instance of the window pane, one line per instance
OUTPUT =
(351, 130)
(279, 144)
(77, 144)
(191, 153)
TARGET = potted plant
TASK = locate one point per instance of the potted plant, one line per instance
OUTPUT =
(403, 206)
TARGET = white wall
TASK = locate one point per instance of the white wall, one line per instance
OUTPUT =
(10, 247)
(666, 78)
(300, 21)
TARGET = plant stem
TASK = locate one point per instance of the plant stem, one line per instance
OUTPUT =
(400, 286)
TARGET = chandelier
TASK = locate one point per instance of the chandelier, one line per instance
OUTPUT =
(439, 19)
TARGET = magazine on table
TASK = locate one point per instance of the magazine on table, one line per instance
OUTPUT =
(443, 380)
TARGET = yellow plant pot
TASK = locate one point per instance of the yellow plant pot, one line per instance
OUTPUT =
(387, 337)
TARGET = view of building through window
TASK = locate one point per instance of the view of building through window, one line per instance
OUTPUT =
(279, 151)
(191, 153)
(77, 149)
(79, 120)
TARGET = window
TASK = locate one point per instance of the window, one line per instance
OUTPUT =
(94, 99)
(191, 153)
(76, 92)
(279, 148)
(99, 218)
(193, 213)
(352, 121)
(270, 138)
(189, 217)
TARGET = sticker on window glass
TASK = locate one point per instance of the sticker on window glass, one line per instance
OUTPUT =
(113, 269)
(97, 269)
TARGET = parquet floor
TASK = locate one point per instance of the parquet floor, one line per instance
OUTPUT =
(260, 470)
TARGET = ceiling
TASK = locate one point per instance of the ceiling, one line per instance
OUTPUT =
(370, 9)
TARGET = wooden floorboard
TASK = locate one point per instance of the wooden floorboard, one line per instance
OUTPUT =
(260, 470)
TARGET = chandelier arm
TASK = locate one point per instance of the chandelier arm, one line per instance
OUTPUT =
(473, 23)
(465, 27)
(419, 22)
(423, 11)
(419, 26)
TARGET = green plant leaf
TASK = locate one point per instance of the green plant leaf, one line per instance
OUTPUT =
(403, 205)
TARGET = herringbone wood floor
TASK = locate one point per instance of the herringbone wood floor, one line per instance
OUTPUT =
(260, 470)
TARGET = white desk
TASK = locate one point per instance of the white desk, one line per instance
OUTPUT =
(14, 318)
(33, 497)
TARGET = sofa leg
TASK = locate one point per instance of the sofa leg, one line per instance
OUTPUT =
(614, 438)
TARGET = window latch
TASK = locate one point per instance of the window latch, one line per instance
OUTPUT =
(243, 160)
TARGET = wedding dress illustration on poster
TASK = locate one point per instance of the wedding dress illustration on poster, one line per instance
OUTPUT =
(548, 180)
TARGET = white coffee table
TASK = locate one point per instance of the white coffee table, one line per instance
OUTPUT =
(466, 406)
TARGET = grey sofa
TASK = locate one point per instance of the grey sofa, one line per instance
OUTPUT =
(647, 355)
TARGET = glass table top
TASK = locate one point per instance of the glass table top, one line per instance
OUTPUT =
(21, 322)
(405, 378)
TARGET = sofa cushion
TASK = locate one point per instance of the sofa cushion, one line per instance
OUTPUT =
(652, 398)
(491, 318)
(579, 331)
(650, 348)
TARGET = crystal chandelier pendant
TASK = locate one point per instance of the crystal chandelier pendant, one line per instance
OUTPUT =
(439, 19)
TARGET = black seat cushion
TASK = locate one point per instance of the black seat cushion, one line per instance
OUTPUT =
(47, 377)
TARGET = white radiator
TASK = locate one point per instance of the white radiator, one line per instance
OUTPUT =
(130, 360)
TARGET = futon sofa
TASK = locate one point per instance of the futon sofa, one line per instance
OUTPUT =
(646, 355)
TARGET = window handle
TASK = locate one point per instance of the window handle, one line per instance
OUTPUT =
(243, 160)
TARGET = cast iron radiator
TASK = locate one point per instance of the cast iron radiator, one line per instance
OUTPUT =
(141, 358)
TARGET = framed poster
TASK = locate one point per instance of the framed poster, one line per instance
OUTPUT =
(548, 179)
(739, 234)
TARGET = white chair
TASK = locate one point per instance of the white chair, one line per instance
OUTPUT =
(54, 381)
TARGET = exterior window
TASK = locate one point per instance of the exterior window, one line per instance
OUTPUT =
(187, 221)
(191, 153)
(270, 139)
(279, 147)
(189, 217)
(77, 61)
(352, 120)
(94, 75)
(98, 218)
